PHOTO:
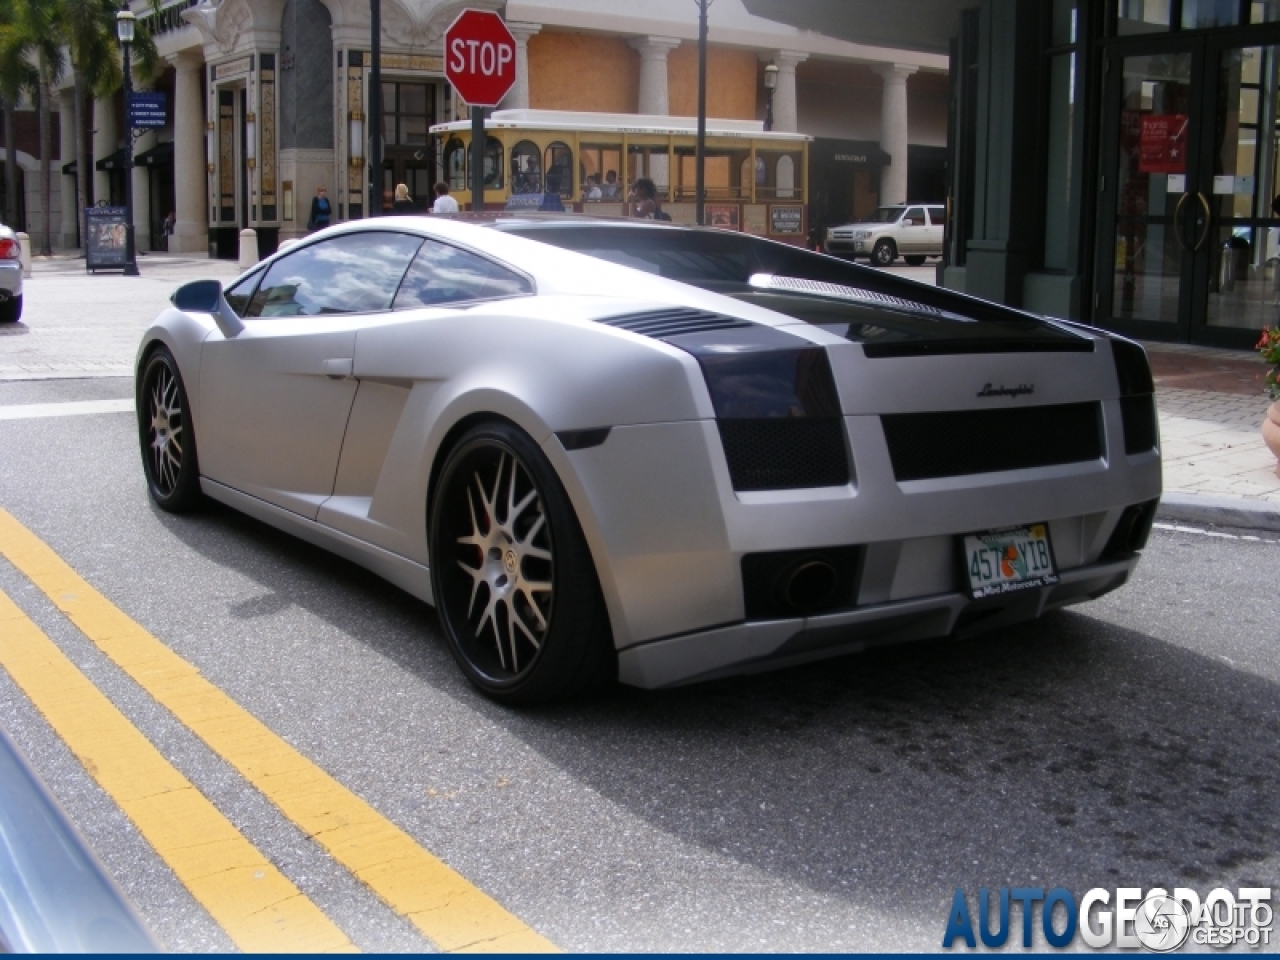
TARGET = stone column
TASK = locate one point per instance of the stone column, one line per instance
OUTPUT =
(653, 73)
(105, 143)
(66, 235)
(142, 195)
(785, 114)
(518, 97)
(893, 131)
(190, 175)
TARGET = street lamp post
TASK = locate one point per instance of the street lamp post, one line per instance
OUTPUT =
(125, 23)
(770, 84)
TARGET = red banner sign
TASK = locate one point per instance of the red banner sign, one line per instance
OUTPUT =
(1162, 146)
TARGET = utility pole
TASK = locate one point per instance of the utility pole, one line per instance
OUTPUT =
(125, 22)
(700, 162)
(375, 108)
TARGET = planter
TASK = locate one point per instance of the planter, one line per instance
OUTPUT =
(1271, 432)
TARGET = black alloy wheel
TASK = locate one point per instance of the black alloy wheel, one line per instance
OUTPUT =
(165, 435)
(884, 253)
(513, 579)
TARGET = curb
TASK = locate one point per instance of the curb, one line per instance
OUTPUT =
(1222, 511)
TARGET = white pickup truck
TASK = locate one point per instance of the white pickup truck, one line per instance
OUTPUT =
(910, 231)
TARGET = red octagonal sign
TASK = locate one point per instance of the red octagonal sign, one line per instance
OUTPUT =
(480, 57)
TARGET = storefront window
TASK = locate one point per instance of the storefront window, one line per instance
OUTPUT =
(559, 167)
(1209, 13)
(1142, 16)
(1057, 207)
(526, 168)
(1266, 11)
(408, 111)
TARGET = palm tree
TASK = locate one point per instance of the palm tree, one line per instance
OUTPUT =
(36, 32)
(88, 28)
(17, 76)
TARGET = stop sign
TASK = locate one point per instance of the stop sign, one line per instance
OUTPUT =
(480, 57)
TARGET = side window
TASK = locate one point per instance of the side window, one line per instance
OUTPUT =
(238, 296)
(444, 274)
(937, 215)
(914, 217)
(353, 273)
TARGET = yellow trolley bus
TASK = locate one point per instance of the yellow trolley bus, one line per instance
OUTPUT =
(755, 180)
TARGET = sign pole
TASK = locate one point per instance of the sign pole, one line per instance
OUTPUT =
(130, 248)
(477, 158)
(374, 126)
(700, 160)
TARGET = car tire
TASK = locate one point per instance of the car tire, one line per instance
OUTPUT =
(513, 579)
(884, 253)
(914, 261)
(11, 310)
(165, 435)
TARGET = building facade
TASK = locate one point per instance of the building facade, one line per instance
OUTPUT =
(269, 100)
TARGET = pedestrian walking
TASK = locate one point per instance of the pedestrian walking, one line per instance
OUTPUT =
(402, 202)
(321, 211)
(444, 203)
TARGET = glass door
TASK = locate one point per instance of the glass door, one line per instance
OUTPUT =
(1189, 240)
(1152, 222)
(1237, 283)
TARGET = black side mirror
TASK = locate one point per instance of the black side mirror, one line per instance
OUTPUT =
(205, 296)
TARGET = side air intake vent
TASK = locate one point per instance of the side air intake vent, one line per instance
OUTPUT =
(672, 322)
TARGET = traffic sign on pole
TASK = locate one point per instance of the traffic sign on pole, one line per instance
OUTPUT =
(480, 57)
(480, 62)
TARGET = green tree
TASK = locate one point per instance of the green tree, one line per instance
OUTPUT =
(88, 29)
(36, 29)
(17, 77)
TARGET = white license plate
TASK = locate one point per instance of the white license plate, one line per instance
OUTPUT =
(1008, 560)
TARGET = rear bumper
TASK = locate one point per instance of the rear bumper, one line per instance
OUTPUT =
(767, 645)
(10, 279)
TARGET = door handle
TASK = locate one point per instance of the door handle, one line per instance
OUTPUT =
(338, 369)
(1177, 222)
(1207, 217)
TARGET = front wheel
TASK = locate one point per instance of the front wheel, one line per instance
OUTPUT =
(165, 435)
(883, 253)
(513, 579)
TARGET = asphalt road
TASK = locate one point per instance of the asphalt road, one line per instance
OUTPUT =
(1134, 741)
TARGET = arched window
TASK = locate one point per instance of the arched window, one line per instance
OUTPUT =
(526, 168)
(559, 167)
(786, 177)
(455, 164)
(493, 163)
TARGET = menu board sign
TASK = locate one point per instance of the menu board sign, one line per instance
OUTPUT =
(105, 229)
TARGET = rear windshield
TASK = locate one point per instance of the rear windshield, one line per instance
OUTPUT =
(930, 318)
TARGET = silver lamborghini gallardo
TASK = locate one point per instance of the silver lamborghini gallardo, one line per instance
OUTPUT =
(617, 450)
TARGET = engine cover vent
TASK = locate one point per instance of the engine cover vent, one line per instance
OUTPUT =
(673, 321)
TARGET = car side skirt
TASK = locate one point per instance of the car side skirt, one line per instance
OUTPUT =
(413, 578)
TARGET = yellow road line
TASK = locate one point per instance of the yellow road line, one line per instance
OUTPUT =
(446, 907)
(257, 905)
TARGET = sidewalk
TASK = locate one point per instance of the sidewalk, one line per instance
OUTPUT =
(1216, 467)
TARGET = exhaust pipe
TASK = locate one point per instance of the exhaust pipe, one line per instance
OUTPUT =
(809, 584)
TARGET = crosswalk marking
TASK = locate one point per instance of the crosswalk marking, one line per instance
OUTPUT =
(446, 907)
(257, 905)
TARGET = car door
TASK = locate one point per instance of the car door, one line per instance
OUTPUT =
(276, 397)
(937, 228)
(914, 229)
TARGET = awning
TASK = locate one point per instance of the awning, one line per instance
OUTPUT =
(826, 151)
(113, 162)
(158, 156)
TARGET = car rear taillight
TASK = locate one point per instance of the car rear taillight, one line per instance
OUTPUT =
(1137, 397)
(9, 250)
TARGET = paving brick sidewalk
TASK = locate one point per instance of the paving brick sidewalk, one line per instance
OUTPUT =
(1216, 467)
